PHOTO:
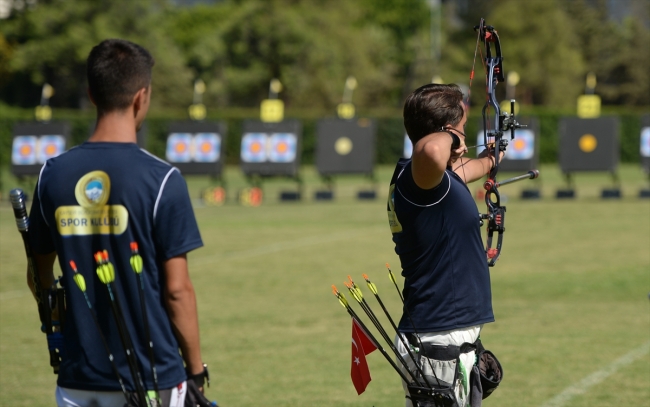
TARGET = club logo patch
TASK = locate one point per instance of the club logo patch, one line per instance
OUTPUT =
(93, 216)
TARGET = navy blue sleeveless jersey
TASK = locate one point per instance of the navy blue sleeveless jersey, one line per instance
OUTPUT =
(103, 196)
(437, 238)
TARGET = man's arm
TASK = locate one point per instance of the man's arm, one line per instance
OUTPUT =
(431, 156)
(472, 169)
(181, 306)
(44, 267)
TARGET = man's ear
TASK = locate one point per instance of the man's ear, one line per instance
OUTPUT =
(90, 96)
(139, 100)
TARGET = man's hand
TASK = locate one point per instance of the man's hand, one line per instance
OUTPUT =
(458, 152)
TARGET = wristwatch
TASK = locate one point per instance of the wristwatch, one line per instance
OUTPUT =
(200, 378)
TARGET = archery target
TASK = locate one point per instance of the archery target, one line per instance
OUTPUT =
(522, 152)
(270, 149)
(196, 147)
(408, 147)
(35, 143)
(588, 144)
(282, 147)
(49, 147)
(253, 147)
(179, 148)
(522, 147)
(23, 151)
(207, 147)
(345, 146)
(645, 142)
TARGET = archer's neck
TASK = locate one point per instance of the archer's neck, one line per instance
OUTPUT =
(115, 127)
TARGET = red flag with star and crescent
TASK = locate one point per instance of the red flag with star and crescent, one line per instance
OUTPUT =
(362, 345)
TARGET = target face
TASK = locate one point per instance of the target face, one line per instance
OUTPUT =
(270, 149)
(645, 142)
(282, 147)
(207, 147)
(408, 147)
(196, 147)
(23, 151)
(179, 148)
(522, 147)
(253, 147)
(50, 147)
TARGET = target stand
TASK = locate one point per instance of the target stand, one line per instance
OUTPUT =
(271, 149)
(589, 145)
(345, 147)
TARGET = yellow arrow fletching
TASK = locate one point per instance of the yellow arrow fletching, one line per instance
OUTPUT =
(80, 281)
(358, 291)
(391, 276)
(372, 287)
(343, 302)
(136, 263)
(354, 292)
(111, 271)
(101, 273)
(106, 273)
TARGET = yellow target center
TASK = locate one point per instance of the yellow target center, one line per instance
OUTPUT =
(256, 147)
(25, 150)
(282, 148)
(205, 147)
(519, 144)
(181, 147)
(588, 143)
(343, 146)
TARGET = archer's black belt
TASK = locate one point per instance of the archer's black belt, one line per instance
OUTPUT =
(440, 352)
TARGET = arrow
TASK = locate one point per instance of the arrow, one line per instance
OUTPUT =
(106, 274)
(137, 266)
(346, 305)
(406, 345)
(80, 281)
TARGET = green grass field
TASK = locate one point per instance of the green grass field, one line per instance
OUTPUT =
(570, 295)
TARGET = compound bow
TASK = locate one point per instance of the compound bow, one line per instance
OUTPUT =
(503, 122)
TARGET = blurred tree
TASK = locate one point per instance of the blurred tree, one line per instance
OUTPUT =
(407, 21)
(618, 53)
(51, 41)
(310, 46)
(198, 33)
(543, 49)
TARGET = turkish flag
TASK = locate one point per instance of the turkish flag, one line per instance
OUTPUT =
(362, 345)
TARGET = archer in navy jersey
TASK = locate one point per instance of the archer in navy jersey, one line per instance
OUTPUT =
(435, 226)
(102, 196)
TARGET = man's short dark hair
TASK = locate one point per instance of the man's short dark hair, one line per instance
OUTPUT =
(430, 107)
(117, 70)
